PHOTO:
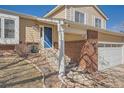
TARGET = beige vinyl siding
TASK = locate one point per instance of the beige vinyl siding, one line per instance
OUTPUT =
(55, 34)
(72, 37)
(104, 24)
(27, 33)
(68, 12)
(32, 35)
(67, 36)
(58, 14)
(90, 12)
(102, 37)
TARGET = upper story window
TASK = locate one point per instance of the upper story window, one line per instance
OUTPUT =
(98, 23)
(79, 17)
(9, 28)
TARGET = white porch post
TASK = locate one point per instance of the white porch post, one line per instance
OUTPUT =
(61, 48)
(2, 29)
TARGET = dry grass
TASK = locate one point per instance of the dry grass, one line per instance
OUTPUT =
(16, 72)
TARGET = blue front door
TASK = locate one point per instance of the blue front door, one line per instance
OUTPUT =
(47, 37)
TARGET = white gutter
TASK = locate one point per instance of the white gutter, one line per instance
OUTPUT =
(53, 10)
(48, 20)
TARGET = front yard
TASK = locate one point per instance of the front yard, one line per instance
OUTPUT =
(18, 72)
(109, 78)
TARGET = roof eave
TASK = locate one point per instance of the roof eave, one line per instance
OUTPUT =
(59, 6)
(53, 10)
(101, 12)
(26, 16)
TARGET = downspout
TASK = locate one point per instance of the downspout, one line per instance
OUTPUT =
(61, 48)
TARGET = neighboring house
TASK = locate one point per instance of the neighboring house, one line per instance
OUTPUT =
(78, 32)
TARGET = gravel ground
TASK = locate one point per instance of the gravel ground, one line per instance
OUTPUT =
(109, 78)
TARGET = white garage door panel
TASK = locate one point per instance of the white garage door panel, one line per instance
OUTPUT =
(109, 56)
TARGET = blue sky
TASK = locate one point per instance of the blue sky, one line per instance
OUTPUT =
(115, 13)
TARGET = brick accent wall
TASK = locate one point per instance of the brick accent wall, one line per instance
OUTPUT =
(92, 34)
(7, 47)
(89, 53)
(89, 56)
(84, 52)
(72, 49)
(25, 48)
(21, 49)
(32, 35)
(7, 50)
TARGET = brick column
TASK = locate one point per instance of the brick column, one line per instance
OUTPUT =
(89, 53)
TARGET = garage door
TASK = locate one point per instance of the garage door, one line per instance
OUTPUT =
(109, 55)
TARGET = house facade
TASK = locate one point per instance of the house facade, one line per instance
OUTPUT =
(78, 32)
(80, 14)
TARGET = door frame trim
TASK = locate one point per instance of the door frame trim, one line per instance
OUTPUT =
(42, 42)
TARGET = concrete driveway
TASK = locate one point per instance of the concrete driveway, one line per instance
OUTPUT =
(115, 76)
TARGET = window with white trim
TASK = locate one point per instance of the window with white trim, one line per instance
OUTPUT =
(0, 27)
(9, 28)
(79, 17)
(98, 23)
